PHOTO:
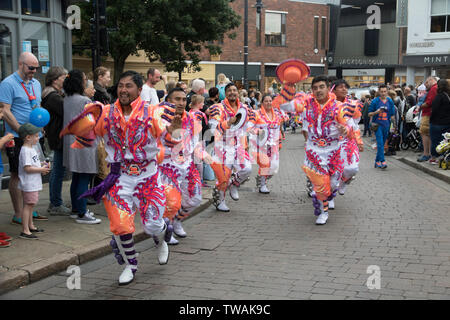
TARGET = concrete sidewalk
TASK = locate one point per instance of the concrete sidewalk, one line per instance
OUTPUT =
(63, 243)
(409, 157)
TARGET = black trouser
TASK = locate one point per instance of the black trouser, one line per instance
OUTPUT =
(367, 126)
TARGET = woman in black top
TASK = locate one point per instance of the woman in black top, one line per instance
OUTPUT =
(102, 78)
(53, 101)
(440, 117)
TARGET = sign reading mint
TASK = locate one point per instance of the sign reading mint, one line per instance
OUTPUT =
(427, 60)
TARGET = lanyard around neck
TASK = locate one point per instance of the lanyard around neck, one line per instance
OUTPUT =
(31, 98)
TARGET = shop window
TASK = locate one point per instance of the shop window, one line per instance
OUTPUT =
(275, 29)
(35, 35)
(35, 8)
(6, 5)
(440, 16)
(5, 52)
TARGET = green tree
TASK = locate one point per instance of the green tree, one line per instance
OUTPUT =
(184, 27)
(171, 31)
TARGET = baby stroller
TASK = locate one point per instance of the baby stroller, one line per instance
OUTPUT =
(444, 149)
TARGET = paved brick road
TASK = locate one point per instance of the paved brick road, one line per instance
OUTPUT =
(268, 246)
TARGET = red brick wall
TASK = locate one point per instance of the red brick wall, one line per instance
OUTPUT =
(299, 34)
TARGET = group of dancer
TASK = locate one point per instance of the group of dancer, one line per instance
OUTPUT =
(153, 149)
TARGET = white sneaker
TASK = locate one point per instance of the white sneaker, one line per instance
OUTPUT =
(234, 194)
(322, 219)
(172, 241)
(331, 204)
(223, 207)
(127, 275)
(264, 189)
(88, 218)
(178, 229)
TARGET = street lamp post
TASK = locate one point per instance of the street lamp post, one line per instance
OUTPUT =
(246, 45)
(259, 5)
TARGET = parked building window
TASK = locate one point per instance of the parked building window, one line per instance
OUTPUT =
(258, 29)
(324, 33)
(275, 29)
(440, 16)
(6, 5)
(35, 7)
(5, 52)
(316, 32)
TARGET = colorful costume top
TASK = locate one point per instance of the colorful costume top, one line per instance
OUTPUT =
(133, 139)
(227, 140)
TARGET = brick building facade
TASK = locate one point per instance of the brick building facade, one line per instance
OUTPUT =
(304, 35)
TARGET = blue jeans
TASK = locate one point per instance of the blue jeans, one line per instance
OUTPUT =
(381, 135)
(79, 185)
(56, 178)
(436, 132)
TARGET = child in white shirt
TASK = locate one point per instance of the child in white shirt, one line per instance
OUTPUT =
(30, 179)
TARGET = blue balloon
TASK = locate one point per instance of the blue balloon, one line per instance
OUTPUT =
(39, 117)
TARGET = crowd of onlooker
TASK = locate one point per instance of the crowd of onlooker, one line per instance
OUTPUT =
(425, 108)
(64, 96)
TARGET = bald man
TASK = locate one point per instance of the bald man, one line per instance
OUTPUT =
(19, 94)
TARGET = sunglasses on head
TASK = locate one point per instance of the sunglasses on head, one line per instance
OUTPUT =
(31, 68)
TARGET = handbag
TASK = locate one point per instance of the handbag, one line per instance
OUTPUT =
(374, 126)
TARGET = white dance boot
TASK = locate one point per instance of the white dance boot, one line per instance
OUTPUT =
(178, 228)
(123, 248)
(219, 201)
(234, 194)
(263, 188)
(163, 248)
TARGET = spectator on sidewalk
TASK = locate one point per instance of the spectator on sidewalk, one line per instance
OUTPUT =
(431, 85)
(182, 85)
(5, 138)
(30, 178)
(198, 87)
(382, 111)
(440, 117)
(102, 79)
(221, 83)
(366, 118)
(81, 162)
(53, 101)
(19, 94)
(90, 91)
(197, 104)
(148, 92)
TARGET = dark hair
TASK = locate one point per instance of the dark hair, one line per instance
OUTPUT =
(264, 96)
(411, 87)
(54, 73)
(399, 93)
(230, 84)
(338, 82)
(320, 79)
(74, 83)
(382, 86)
(213, 91)
(443, 86)
(136, 77)
(176, 89)
(332, 79)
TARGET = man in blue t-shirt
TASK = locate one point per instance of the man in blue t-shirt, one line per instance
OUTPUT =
(19, 94)
(382, 110)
